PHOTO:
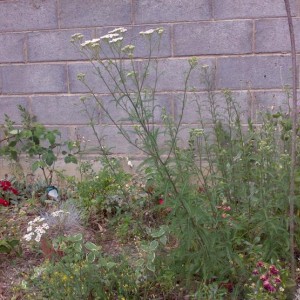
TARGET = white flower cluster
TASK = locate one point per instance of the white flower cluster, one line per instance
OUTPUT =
(149, 32)
(118, 39)
(118, 30)
(128, 48)
(114, 36)
(91, 43)
(58, 213)
(76, 37)
(36, 229)
(109, 36)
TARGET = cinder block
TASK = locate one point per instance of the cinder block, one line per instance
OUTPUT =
(272, 101)
(94, 80)
(11, 49)
(59, 110)
(172, 74)
(141, 43)
(27, 15)
(30, 79)
(78, 13)
(198, 107)
(9, 106)
(259, 72)
(272, 35)
(156, 11)
(111, 137)
(235, 9)
(54, 45)
(213, 38)
(161, 101)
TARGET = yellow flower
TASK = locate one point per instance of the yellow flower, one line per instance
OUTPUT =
(64, 278)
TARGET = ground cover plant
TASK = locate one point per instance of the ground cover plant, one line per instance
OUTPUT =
(204, 216)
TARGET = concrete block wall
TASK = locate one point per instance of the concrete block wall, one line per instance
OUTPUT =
(246, 41)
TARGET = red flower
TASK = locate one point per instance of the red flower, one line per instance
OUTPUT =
(264, 278)
(4, 202)
(160, 201)
(277, 280)
(260, 264)
(268, 286)
(14, 191)
(255, 272)
(5, 185)
(274, 270)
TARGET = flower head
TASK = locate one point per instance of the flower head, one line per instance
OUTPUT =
(91, 43)
(128, 48)
(263, 278)
(269, 287)
(109, 36)
(4, 202)
(147, 32)
(5, 185)
(115, 40)
(76, 37)
(260, 264)
(118, 30)
(255, 272)
(273, 270)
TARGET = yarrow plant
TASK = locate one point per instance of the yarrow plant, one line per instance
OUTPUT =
(57, 223)
(36, 229)
(224, 173)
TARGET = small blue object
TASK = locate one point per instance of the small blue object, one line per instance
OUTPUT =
(52, 193)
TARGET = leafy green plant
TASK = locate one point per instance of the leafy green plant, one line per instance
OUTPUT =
(35, 140)
(83, 272)
(106, 190)
(9, 245)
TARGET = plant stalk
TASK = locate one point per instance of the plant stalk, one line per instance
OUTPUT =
(293, 138)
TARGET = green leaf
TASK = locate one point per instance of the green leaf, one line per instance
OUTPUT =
(140, 262)
(51, 137)
(163, 240)
(153, 245)
(14, 243)
(76, 238)
(110, 265)
(5, 247)
(35, 166)
(158, 233)
(14, 154)
(26, 134)
(78, 247)
(12, 144)
(36, 140)
(70, 159)
(14, 131)
(91, 246)
(91, 257)
(150, 267)
(49, 157)
(151, 257)
(145, 248)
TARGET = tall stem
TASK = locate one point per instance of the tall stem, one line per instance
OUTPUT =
(293, 139)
